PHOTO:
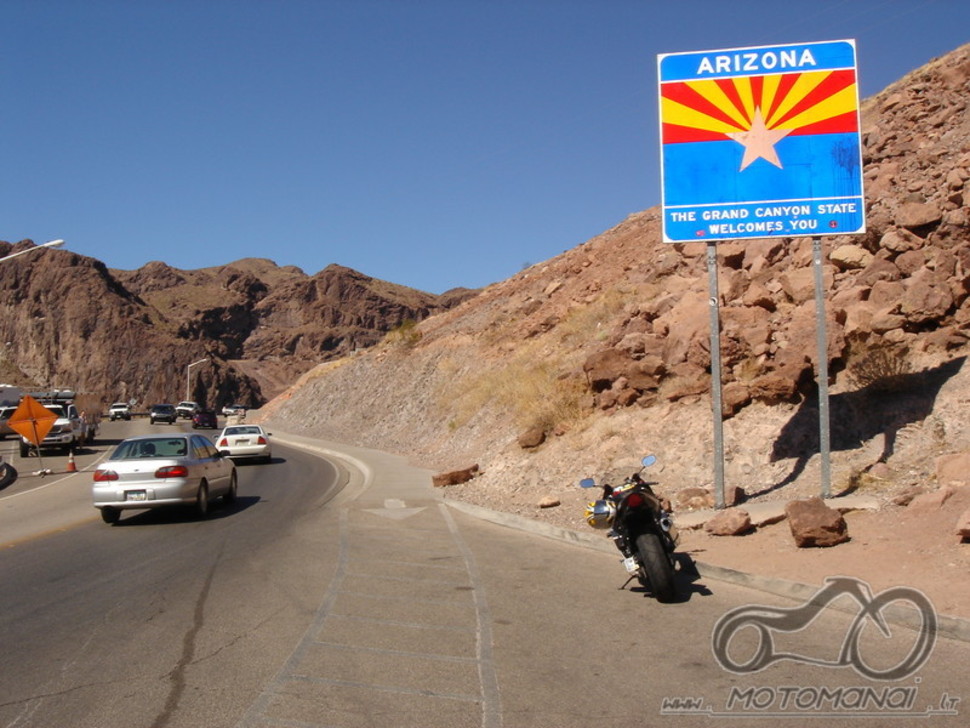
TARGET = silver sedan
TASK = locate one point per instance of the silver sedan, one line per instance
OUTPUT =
(151, 471)
(245, 441)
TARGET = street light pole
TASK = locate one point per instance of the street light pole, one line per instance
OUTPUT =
(188, 375)
(49, 244)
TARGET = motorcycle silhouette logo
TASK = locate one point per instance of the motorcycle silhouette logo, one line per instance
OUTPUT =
(765, 620)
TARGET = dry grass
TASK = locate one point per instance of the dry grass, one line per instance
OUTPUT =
(532, 392)
(592, 321)
(323, 369)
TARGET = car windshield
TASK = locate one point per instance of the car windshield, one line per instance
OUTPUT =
(156, 447)
(163, 407)
(244, 430)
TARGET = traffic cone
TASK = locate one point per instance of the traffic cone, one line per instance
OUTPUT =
(71, 467)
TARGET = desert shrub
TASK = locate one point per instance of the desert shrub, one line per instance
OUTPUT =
(878, 367)
(405, 336)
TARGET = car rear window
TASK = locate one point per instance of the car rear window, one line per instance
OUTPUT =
(243, 430)
(160, 447)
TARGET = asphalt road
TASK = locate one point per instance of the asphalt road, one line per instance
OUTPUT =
(342, 591)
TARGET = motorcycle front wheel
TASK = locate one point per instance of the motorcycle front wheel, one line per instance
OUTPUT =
(659, 570)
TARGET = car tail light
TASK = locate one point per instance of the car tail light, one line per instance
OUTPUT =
(172, 471)
(634, 500)
(223, 442)
(261, 440)
(104, 476)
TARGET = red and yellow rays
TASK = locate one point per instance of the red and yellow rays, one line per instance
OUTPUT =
(818, 102)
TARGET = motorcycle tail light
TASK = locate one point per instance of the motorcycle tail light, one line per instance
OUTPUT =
(634, 500)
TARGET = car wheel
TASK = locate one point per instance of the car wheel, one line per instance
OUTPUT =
(230, 496)
(110, 515)
(202, 501)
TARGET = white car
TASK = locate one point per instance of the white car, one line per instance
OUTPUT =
(152, 471)
(245, 441)
(119, 411)
(233, 409)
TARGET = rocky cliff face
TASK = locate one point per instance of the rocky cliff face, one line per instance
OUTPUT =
(603, 353)
(68, 321)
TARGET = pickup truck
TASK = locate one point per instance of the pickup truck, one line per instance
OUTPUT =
(119, 411)
(187, 409)
(6, 429)
(71, 429)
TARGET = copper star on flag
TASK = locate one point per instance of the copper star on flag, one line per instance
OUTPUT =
(759, 141)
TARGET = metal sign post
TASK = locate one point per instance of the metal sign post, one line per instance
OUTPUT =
(824, 447)
(756, 143)
(717, 405)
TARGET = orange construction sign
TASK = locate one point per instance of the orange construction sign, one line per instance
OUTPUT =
(32, 420)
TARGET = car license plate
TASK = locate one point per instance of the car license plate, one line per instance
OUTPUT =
(242, 441)
(136, 495)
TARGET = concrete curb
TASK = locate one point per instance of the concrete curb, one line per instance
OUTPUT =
(366, 461)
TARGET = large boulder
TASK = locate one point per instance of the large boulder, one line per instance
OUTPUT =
(455, 477)
(729, 522)
(953, 469)
(813, 523)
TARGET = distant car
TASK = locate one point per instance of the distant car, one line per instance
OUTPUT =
(186, 410)
(234, 409)
(119, 411)
(162, 413)
(245, 442)
(5, 428)
(151, 471)
(204, 419)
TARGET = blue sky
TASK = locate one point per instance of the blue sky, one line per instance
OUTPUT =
(430, 143)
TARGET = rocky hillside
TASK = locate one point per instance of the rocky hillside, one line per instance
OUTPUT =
(68, 321)
(580, 365)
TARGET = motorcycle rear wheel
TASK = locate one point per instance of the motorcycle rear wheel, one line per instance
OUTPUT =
(659, 570)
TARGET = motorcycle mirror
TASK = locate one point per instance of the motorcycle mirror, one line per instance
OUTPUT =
(649, 460)
(587, 483)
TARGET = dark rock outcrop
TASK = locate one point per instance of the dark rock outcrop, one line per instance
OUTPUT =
(68, 321)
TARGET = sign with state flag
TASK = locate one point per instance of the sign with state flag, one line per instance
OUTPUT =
(761, 142)
(32, 420)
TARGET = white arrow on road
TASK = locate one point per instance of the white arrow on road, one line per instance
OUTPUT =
(395, 508)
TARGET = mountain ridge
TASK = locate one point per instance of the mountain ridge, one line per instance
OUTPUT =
(71, 322)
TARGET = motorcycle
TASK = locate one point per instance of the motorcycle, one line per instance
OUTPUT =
(641, 528)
